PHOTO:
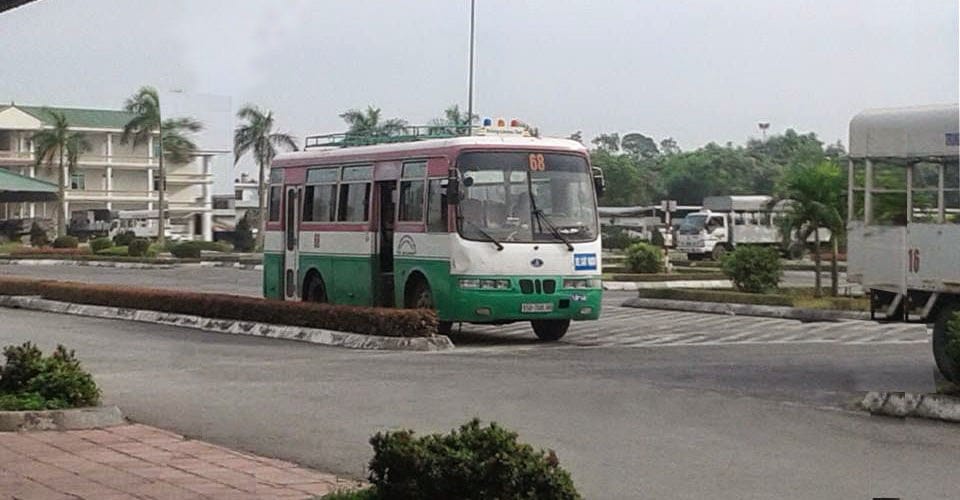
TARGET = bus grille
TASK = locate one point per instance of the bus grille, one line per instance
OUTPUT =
(547, 287)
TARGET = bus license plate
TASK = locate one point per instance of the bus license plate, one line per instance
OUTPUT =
(536, 307)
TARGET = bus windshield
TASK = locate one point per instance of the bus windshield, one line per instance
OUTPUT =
(526, 197)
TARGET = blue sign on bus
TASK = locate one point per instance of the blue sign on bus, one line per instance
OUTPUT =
(585, 262)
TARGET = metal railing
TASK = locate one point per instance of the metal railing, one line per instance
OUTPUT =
(410, 133)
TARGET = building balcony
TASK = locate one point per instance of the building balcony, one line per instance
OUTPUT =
(16, 158)
(189, 179)
(116, 160)
(105, 196)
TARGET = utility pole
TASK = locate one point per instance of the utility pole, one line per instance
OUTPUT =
(473, 10)
(162, 174)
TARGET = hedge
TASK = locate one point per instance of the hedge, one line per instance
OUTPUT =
(28, 252)
(356, 319)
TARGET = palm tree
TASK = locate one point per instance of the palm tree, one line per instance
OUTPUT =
(59, 142)
(454, 122)
(368, 123)
(257, 135)
(815, 192)
(174, 143)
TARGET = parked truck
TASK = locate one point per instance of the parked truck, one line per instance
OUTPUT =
(728, 221)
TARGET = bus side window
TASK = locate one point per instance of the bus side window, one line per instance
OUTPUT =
(275, 193)
(437, 207)
(951, 192)
(412, 186)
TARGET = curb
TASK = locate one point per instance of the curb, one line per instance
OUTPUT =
(906, 404)
(61, 420)
(127, 265)
(781, 312)
(313, 335)
(637, 285)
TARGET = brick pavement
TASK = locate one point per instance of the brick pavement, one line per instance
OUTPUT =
(141, 462)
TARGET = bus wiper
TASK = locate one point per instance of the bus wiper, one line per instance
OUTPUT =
(484, 233)
(553, 229)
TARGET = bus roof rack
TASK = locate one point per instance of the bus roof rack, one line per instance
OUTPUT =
(411, 133)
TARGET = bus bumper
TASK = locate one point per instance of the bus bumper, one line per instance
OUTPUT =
(492, 306)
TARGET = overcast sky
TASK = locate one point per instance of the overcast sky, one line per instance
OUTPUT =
(696, 70)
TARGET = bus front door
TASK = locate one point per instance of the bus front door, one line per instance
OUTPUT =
(385, 218)
(291, 251)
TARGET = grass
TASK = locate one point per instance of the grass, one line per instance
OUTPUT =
(6, 248)
(791, 297)
(364, 494)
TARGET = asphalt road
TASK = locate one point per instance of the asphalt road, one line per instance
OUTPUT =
(680, 418)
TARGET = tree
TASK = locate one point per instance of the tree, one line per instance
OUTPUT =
(454, 122)
(639, 145)
(243, 236)
(576, 136)
(668, 146)
(608, 142)
(816, 194)
(172, 134)
(60, 143)
(368, 122)
(712, 170)
(256, 134)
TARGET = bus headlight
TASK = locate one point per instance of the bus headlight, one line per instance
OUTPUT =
(485, 284)
(581, 283)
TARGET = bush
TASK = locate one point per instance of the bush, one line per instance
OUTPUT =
(100, 244)
(953, 339)
(66, 242)
(138, 247)
(473, 462)
(38, 236)
(30, 381)
(364, 320)
(753, 269)
(243, 240)
(616, 238)
(123, 239)
(187, 250)
(644, 258)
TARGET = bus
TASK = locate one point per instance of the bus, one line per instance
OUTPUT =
(903, 228)
(492, 228)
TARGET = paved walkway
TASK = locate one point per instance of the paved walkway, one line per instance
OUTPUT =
(142, 462)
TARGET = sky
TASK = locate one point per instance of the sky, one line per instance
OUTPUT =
(695, 70)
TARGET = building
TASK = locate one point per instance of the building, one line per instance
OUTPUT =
(112, 175)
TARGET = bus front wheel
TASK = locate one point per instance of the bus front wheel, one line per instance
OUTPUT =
(422, 298)
(948, 366)
(550, 329)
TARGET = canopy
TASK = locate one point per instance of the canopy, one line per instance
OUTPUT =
(915, 132)
(17, 188)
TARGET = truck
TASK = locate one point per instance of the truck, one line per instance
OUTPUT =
(903, 227)
(727, 221)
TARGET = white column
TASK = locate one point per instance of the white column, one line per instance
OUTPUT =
(150, 150)
(207, 202)
(108, 175)
(33, 206)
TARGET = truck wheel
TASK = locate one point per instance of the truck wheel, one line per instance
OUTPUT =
(949, 367)
(550, 329)
(718, 252)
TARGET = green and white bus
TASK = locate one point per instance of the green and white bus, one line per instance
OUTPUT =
(491, 228)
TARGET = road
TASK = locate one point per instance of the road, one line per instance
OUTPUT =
(642, 404)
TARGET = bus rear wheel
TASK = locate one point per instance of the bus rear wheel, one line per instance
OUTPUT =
(550, 329)
(314, 290)
(948, 366)
(422, 298)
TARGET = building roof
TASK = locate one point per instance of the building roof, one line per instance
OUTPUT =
(15, 188)
(77, 117)
(914, 132)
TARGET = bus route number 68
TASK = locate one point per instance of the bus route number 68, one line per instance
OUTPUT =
(537, 163)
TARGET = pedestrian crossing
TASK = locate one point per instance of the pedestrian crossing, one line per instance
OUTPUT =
(633, 327)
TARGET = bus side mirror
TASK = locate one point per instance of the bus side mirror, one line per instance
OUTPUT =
(453, 191)
(599, 183)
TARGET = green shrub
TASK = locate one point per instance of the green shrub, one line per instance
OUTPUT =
(123, 239)
(243, 237)
(753, 269)
(616, 238)
(389, 322)
(187, 250)
(38, 236)
(100, 244)
(644, 258)
(473, 462)
(953, 339)
(364, 494)
(213, 246)
(66, 242)
(138, 247)
(30, 381)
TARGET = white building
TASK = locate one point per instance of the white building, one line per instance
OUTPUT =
(112, 175)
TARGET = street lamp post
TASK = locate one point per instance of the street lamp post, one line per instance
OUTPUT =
(473, 10)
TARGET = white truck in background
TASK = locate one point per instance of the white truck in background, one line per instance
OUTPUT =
(728, 221)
